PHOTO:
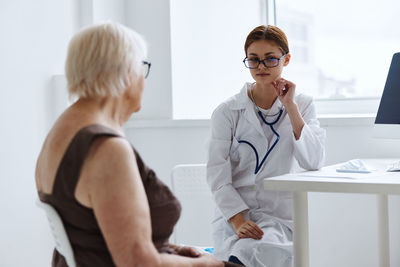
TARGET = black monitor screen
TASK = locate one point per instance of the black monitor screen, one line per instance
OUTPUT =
(389, 107)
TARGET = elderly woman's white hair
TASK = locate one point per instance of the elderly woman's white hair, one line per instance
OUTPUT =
(101, 58)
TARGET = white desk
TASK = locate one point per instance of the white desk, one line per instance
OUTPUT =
(327, 179)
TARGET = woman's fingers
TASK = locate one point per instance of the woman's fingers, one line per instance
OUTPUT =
(278, 92)
(188, 252)
(257, 228)
(244, 233)
(279, 86)
(250, 230)
(283, 87)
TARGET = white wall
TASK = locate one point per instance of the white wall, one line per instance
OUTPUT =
(34, 37)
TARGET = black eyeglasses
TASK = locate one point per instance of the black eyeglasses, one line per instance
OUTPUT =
(269, 62)
(146, 69)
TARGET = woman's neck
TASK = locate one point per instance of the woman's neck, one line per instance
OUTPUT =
(109, 111)
(264, 95)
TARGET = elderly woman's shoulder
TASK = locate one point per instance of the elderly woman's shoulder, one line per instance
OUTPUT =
(112, 147)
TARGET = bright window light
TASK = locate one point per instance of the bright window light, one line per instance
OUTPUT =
(340, 49)
(207, 49)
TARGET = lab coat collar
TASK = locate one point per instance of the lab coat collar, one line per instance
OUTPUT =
(276, 107)
(242, 100)
(251, 117)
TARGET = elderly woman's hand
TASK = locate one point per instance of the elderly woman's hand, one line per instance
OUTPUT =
(203, 259)
(185, 251)
(206, 260)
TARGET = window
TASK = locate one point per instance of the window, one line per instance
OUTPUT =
(340, 49)
(207, 49)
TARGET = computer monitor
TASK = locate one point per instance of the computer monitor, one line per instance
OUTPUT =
(387, 122)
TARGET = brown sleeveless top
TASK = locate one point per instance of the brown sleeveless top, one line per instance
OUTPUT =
(86, 239)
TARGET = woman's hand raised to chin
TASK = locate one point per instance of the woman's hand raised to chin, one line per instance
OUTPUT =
(285, 90)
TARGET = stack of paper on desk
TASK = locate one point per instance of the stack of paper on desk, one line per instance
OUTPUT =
(332, 173)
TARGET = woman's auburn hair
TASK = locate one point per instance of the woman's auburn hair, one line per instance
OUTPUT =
(268, 33)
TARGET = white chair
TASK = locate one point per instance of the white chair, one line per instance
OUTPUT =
(63, 245)
(190, 187)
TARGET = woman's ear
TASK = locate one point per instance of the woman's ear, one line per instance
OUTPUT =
(287, 59)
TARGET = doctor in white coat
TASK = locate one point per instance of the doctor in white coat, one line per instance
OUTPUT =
(263, 131)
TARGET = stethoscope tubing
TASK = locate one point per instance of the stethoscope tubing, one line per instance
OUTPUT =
(270, 124)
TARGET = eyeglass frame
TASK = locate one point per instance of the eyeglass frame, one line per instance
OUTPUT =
(147, 63)
(263, 61)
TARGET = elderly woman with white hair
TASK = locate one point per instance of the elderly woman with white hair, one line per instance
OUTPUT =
(114, 208)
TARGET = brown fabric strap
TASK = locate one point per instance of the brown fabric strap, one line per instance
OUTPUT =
(68, 172)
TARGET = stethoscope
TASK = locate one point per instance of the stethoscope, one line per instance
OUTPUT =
(270, 124)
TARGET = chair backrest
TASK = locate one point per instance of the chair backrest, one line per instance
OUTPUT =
(190, 186)
(63, 245)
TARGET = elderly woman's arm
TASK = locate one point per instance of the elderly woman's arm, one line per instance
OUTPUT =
(119, 201)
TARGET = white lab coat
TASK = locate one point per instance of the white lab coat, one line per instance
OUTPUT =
(235, 187)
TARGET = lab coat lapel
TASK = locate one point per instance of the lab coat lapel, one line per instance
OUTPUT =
(243, 102)
(276, 106)
(251, 117)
